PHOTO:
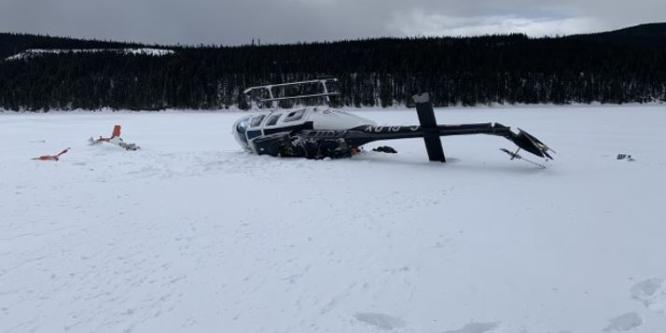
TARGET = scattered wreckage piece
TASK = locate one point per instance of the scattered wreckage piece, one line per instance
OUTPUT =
(625, 157)
(515, 156)
(385, 149)
(55, 157)
(116, 140)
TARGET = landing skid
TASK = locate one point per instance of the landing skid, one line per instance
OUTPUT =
(515, 156)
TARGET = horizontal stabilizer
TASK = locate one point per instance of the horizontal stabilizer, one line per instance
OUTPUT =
(528, 142)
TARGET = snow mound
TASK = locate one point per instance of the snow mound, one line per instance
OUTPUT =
(475, 328)
(380, 320)
(651, 293)
(624, 322)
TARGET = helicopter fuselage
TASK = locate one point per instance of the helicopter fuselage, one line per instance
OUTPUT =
(324, 132)
(285, 121)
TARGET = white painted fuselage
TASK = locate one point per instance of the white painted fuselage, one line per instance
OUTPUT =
(280, 121)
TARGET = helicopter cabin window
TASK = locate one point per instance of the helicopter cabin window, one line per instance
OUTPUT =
(273, 120)
(256, 121)
(294, 116)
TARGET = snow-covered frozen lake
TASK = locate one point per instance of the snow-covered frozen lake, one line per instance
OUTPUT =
(190, 234)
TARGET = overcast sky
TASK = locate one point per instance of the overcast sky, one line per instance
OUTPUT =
(280, 21)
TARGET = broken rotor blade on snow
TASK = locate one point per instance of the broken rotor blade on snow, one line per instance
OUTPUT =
(55, 157)
(516, 156)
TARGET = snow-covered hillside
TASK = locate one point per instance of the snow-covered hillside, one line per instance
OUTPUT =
(190, 234)
(31, 53)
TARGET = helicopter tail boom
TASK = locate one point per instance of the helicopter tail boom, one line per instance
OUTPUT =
(318, 144)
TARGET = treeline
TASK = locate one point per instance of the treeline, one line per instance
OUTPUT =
(376, 72)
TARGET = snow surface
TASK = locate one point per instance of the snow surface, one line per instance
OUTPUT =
(190, 234)
(31, 53)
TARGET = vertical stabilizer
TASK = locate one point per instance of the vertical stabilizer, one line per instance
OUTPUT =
(429, 126)
(116, 132)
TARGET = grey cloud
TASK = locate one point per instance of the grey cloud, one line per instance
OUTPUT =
(279, 21)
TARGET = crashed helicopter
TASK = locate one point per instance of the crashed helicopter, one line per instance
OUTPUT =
(321, 131)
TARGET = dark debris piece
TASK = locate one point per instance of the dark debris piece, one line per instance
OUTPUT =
(625, 157)
(385, 149)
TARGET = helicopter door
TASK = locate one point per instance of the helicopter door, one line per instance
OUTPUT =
(273, 120)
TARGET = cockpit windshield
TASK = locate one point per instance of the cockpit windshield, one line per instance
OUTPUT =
(256, 121)
(239, 132)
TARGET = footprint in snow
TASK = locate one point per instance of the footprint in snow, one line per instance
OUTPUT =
(475, 328)
(624, 322)
(380, 320)
(651, 293)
